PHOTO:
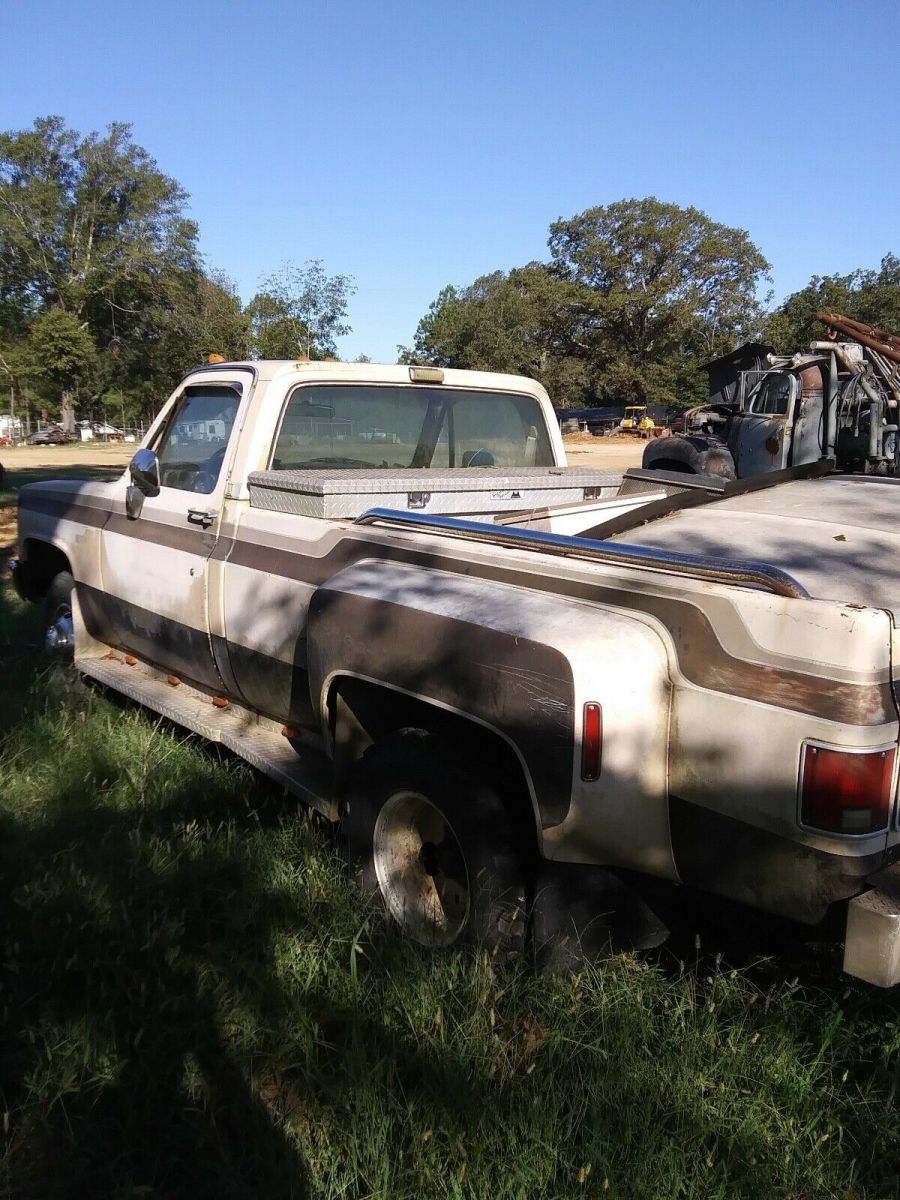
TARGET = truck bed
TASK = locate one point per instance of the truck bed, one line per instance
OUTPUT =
(837, 536)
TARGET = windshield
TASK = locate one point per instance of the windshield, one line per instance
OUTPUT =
(404, 426)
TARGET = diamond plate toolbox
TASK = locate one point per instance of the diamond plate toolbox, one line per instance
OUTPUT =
(349, 493)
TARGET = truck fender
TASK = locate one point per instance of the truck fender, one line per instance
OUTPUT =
(448, 641)
(693, 456)
(514, 665)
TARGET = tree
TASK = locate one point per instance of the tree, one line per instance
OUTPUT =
(636, 295)
(866, 295)
(207, 319)
(96, 255)
(300, 311)
(504, 322)
(655, 284)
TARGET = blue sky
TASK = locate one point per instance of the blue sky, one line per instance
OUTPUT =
(415, 145)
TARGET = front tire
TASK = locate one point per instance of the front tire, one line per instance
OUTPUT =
(434, 842)
(59, 626)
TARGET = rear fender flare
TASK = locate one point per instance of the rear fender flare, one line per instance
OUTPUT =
(437, 638)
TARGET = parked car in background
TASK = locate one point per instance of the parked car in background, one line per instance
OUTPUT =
(53, 435)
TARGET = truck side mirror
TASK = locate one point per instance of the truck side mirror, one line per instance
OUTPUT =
(144, 469)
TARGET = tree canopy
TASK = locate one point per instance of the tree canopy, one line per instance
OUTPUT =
(634, 296)
(300, 311)
(104, 298)
(866, 295)
(96, 255)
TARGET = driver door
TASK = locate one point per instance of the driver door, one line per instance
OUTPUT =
(763, 432)
(155, 567)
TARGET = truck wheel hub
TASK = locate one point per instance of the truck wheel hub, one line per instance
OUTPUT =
(60, 635)
(421, 869)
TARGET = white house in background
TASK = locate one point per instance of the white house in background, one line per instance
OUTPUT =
(204, 431)
(98, 430)
(10, 427)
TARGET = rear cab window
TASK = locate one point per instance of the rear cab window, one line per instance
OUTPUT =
(774, 396)
(404, 427)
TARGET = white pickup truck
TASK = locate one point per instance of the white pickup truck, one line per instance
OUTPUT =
(383, 587)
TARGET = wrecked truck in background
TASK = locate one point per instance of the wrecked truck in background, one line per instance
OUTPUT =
(839, 400)
(498, 673)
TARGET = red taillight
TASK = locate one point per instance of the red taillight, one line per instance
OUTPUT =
(591, 741)
(842, 792)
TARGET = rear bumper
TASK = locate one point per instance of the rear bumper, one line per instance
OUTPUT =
(872, 942)
(775, 874)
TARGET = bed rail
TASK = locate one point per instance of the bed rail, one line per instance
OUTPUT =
(737, 571)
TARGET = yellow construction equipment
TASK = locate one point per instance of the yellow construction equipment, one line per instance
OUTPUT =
(636, 422)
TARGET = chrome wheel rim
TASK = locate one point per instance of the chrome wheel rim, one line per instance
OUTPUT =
(60, 636)
(421, 869)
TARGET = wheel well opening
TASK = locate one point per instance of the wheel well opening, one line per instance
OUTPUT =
(670, 464)
(42, 562)
(362, 713)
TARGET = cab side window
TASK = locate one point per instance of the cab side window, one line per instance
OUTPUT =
(774, 396)
(192, 446)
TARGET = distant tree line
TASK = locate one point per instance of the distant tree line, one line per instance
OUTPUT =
(635, 297)
(104, 297)
(105, 300)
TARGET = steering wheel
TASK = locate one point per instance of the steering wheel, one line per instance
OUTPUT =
(208, 473)
(481, 457)
(182, 475)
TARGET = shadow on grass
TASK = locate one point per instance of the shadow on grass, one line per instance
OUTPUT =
(151, 1042)
(112, 951)
(194, 1005)
(116, 940)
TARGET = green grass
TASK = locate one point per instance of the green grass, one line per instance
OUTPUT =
(194, 1003)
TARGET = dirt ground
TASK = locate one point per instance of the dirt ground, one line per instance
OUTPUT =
(87, 456)
(607, 454)
(79, 454)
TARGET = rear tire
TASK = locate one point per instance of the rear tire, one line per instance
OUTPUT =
(671, 454)
(433, 840)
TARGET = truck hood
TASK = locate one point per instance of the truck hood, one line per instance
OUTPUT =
(839, 537)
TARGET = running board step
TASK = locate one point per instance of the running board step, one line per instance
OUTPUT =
(238, 729)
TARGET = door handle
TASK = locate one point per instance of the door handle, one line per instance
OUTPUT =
(201, 516)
